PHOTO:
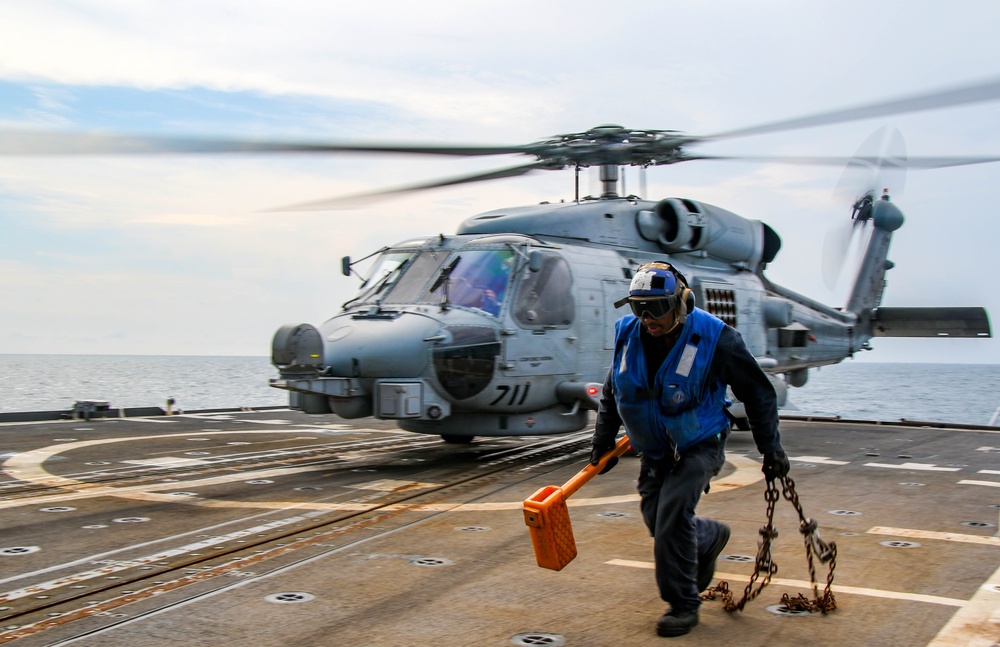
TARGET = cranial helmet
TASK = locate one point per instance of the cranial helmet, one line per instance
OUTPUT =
(658, 289)
(653, 280)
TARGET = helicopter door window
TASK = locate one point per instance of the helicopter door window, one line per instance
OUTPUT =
(478, 279)
(545, 298)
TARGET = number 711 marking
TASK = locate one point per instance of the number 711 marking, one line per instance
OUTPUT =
(506, 390)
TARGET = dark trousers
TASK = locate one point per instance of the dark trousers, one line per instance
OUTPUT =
(670, 492)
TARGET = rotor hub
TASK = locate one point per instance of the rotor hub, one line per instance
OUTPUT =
(610, 144)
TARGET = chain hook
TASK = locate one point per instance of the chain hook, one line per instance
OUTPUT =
(765, 562)
(822, 550)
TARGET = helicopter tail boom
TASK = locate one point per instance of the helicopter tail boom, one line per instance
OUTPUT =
(885, 218)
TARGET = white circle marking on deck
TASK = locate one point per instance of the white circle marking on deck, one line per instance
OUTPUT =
(29, 466)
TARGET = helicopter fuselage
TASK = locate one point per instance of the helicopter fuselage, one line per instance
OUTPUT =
(489, 332)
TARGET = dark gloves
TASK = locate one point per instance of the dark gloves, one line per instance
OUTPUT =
(775, 465)
(598, 452)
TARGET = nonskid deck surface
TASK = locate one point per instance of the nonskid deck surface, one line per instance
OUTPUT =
(277, 528)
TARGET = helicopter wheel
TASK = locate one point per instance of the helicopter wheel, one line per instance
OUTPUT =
(458, 440)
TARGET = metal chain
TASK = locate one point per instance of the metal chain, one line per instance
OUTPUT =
(826, 552)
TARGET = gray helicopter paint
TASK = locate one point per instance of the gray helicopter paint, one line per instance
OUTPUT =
(378, 357)
(384, 347)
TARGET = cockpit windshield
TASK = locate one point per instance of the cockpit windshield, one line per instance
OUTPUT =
(479, 279)
(474, 278)
(383, 276)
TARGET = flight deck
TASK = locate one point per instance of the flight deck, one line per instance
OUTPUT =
(275, 527)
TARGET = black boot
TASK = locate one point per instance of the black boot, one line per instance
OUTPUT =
(706, 562)
(676, 623)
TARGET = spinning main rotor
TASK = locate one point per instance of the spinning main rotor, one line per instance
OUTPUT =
(605, 146)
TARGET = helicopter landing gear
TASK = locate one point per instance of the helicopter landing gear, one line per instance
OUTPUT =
(456, 439)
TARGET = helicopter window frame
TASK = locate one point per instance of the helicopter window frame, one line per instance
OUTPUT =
(544, 299)
(421, 268)
(395, 273)
(385, 271)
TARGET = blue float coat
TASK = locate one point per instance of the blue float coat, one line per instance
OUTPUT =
(731, 363)
(678, 409)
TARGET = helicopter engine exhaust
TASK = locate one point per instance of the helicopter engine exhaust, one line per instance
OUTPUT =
(681, 226)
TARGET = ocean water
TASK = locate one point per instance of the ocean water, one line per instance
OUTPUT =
(56, 382)
(959, 393)
(962, 393)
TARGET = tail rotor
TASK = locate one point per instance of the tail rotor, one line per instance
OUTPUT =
(879, 163)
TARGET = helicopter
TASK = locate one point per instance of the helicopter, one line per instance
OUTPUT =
(506, 327)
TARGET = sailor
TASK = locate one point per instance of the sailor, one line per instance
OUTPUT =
(667, 386)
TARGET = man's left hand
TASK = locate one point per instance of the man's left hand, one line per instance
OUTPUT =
(776, 465)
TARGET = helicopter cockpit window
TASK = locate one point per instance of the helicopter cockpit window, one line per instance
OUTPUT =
(383, 275)
(415, 276)
(545, 298)
(399, 277)
(477, 279)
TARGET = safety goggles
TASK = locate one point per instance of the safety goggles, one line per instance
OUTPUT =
(655, 308)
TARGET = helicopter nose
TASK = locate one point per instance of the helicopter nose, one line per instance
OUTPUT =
(379, 347)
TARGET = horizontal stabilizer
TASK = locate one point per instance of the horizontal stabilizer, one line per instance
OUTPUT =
(930, 322)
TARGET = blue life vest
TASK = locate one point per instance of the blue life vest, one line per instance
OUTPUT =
(679, 409)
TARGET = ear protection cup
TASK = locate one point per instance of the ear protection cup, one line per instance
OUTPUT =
(685, 303)
(687, 298)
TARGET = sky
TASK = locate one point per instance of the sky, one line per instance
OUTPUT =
(179, 254)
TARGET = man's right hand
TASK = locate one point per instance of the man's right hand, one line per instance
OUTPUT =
(598, 452)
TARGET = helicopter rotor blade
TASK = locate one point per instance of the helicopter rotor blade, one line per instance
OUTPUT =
(836, 245)
(880, 162)
(603, 145)
(346, 202)
(27, 142)
(912, 162)
(960, 95)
